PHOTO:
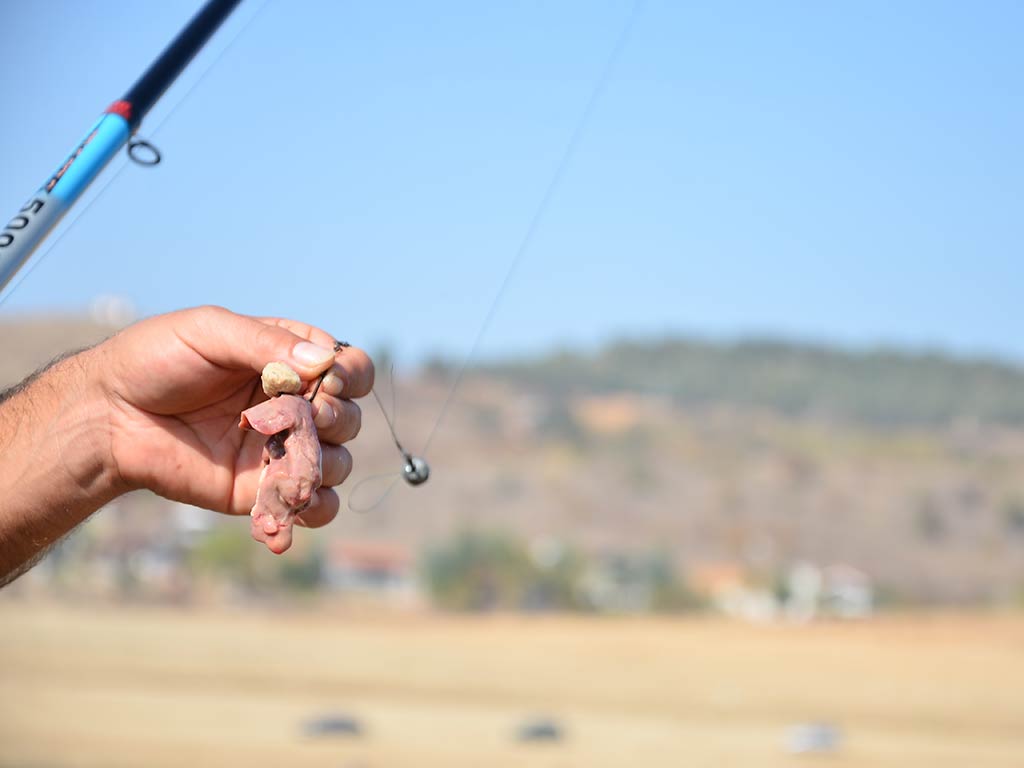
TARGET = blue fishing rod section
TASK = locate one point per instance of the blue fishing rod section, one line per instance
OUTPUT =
(24, 233)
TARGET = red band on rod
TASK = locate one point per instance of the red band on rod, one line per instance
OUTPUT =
(122, 108)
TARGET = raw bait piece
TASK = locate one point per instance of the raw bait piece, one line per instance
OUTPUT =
(291, 466)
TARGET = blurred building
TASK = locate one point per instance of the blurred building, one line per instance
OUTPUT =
(838, 590)
(622, 582)
(848, 592)
(728, 589)
(375, 569)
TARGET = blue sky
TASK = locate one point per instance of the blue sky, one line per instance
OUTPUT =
(842, 172)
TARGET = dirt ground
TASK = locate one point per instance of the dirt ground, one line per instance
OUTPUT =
(147, 687)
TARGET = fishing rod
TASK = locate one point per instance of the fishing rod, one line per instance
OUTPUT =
(114, 129)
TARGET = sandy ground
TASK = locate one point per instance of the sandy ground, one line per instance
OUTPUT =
(146, 687)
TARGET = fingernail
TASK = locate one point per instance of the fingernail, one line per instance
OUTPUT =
(333, 384)
(312, 355)
(324, 416)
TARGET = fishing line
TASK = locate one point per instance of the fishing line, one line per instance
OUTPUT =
(391, 425)
(575, 138)
(416, 470)
(30, 268)
(394, 397)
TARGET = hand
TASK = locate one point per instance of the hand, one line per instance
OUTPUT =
(177, 383)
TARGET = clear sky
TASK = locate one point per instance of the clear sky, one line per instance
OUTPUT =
(850, 172)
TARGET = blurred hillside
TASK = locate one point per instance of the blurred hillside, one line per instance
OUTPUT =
(638, 477)
(879, 387)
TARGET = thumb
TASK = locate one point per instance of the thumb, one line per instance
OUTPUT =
(237, 341)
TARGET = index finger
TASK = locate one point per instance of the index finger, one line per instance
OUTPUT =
(309, 332)
(352, 373)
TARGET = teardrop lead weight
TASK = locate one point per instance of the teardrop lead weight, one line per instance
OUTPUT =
(416, 470)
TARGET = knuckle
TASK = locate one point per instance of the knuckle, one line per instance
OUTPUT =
(331, 502)
(356, 420)
(210, 312)
(337, 465)
(360, 371)
(371, 373)
(346, 464)
(325, 415)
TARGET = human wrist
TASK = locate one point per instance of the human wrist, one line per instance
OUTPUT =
(54, 432)
(82, 419)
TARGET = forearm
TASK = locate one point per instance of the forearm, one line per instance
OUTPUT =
(55, 467)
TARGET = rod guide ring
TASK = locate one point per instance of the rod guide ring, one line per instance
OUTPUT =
(143, 153)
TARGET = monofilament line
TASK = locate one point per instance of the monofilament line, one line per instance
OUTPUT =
(391, 426)
(525, 243)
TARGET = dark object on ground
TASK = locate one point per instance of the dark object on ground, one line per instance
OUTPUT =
(813, 738)
(540, 729)
(333, 725)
